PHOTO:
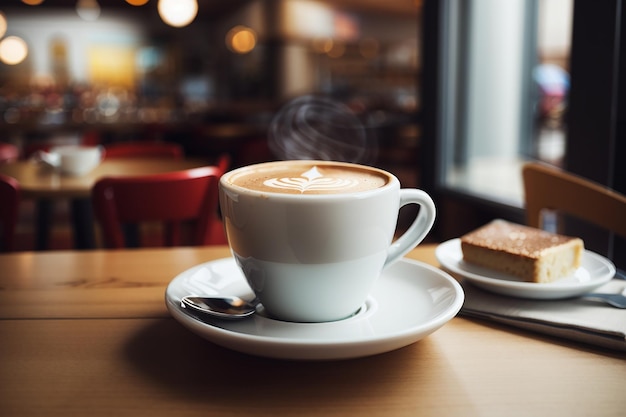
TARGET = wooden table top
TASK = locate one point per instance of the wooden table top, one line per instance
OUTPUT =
(88, 333)
(38, 181)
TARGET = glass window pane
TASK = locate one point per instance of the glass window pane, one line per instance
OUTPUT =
(505, 93)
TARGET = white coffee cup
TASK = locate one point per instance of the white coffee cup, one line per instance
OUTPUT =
(75, 159)
(312, 237)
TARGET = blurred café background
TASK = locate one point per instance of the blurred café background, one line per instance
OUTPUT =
(454, 96)
(105, 71)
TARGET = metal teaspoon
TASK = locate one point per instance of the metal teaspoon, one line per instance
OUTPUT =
(222, 307)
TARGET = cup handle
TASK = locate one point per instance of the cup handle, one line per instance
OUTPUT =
(418, 229)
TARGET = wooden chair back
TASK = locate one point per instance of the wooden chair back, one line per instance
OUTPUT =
(554, 189)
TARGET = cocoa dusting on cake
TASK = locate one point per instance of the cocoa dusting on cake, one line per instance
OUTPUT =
(520, 240)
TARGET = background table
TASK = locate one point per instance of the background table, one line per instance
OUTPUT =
(46, 186)
(88, 333)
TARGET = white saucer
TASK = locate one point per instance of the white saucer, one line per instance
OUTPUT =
(595, 270)
(410, 301)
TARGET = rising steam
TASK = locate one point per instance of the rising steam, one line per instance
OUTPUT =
(320, 128)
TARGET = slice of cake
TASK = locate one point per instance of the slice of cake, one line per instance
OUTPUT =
(531, 254)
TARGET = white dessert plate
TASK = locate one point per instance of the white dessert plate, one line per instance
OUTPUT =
(410, 301)
(595, 270)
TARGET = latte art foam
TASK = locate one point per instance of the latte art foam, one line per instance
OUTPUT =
(311, 177)
(312, 180)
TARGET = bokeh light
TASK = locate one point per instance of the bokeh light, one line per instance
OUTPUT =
(241, 39)
(32, 2)
(13, 50)
(337, 51)
(322, 45)
(3, 25)
(137, 2)
(88, 10)
(178, 13)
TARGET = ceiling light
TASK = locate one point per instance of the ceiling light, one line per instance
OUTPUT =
(178, 13)
(13, 50)
(241, 39)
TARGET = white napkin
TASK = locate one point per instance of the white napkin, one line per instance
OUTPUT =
(578, 319)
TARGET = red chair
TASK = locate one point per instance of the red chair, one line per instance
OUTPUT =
(9, 202)
(8, 152)
(146, 149)
(171, 199)
(223, 162)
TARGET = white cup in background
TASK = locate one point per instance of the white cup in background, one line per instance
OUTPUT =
(75, 160)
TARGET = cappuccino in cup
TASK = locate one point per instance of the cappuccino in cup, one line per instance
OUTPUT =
(312, 237)
(285, 178)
